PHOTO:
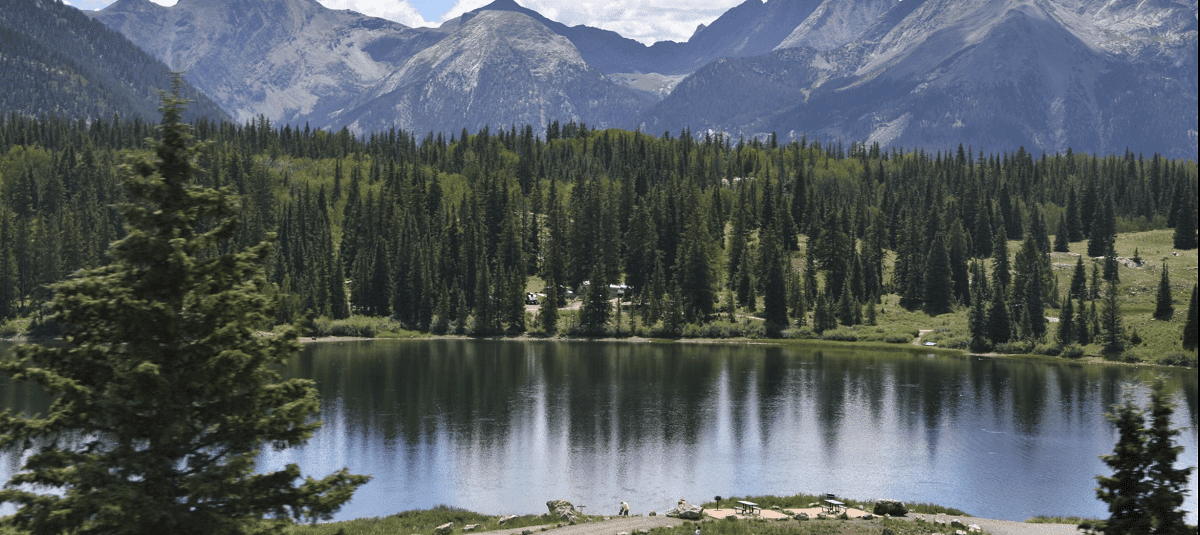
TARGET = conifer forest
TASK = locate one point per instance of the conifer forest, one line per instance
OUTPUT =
(463, 234)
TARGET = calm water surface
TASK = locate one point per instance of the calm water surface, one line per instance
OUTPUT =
(502, 427)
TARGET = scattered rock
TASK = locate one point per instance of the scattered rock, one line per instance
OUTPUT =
(867, 516)
(564, 510)
(505, 519)
(822, 516)
(653, 513)
(887, 531)
(643, 531)
(960, 532)
(687, 511)
(444, 529)
(527, 532)
(801, 516)
(776, 508)
(783, 519)
(974, 528)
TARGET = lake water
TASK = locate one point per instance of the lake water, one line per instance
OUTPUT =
(502, 427)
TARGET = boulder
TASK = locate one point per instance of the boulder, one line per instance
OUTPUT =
(470, 527)
(527, 532)
(687, 511)
(653, 513)
(564, 510)
(801, 516)
(867, 516)
(444, 529)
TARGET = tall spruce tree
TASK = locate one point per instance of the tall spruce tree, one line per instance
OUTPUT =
(1124, 490)
(1112, 330)
(163, 391)
(939, 290)
(1190, 328)
(1164, 308)
(1184, 237)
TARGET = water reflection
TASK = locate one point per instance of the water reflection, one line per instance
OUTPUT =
(501, 427)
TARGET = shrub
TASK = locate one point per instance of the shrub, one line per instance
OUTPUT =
(890, 508)
(1072, 352)
(1178, 359)
(1052, 350)
(1013, 348)
(840, 335)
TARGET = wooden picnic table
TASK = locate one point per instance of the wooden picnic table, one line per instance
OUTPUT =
(747, 508)
(834, 506)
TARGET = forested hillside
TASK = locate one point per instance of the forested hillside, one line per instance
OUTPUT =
(807, 238)
(56, 60)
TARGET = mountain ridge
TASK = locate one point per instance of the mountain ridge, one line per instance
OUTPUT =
(1046, 74)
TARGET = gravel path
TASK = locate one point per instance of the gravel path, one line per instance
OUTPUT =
(1005, 527)
(612, 526)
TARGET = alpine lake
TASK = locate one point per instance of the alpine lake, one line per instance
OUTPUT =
(500, 427)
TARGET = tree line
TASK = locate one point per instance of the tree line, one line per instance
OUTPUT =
(444, 233)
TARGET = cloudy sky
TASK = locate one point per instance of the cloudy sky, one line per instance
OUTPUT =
(645, 20)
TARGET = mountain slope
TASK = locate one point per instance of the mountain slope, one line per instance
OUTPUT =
(1042, 74)
(55, 60)
(497, 68)
(289, 60)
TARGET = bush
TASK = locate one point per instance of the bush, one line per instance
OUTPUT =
(840, 335)
(1013, 348)
(1129, 356)
(1052, 350)
(1178, 359)
(890, 508)
(1072, 352)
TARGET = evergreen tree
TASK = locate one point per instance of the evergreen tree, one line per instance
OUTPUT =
(1078, 280)
(1190, 329)
(1000, 265)
(774, 286)
(939, 297)
(1062, 242)
(999, 322)
(824, 316)
(548, 312)
(1163, 306)
(1066, 324)
(1112, 332)
(1145, 492)
(1112, 270)
(1083, 324)
(846, 306)
(1124, 490)
(593, 315)
(1168, 484)
(1074, 227)
(156, 430)
(1184, 237)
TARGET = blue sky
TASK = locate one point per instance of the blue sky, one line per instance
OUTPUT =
(645, 20)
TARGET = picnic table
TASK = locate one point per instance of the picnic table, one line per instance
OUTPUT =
(747, 508)
(834, 507)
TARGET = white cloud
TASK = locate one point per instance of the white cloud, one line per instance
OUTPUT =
(394, 10)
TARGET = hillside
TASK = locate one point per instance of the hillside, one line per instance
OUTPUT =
(55, 60)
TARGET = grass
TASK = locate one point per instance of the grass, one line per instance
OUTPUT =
(811, 527)
(418, 522)
(799, 501)
(1042, 519)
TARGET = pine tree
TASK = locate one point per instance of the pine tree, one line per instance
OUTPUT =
(1112, 331)
(548, 312)
(1062, 242)
(1112, 271)
(1124, 490)
(1145, 492)
(1190, 329)
(1066, 324)
(593, 315)
(939, 291)
(1163, 306)
(1184, 237)
(999, 320)
(1168, 484)
(774, 285)
(156, 430)
(1078, 280)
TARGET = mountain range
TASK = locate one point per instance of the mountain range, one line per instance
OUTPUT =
(1092, 75)
(55, 60)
